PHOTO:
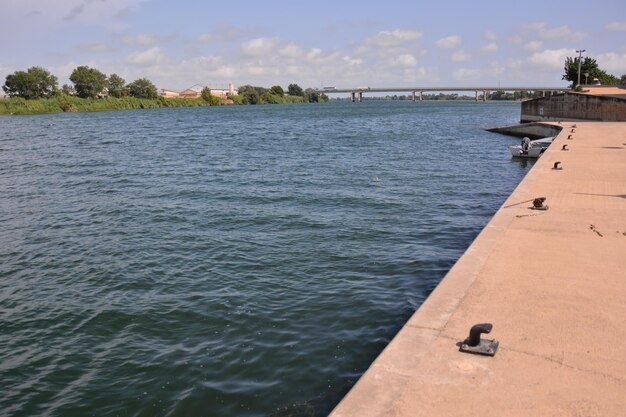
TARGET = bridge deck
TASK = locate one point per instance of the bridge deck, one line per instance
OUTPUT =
(436, 89)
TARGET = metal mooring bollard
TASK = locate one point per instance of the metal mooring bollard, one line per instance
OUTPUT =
(474, 344)
(557, 165)
(538, 204)
(565, 148)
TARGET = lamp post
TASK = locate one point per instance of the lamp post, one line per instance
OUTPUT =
(580, 58)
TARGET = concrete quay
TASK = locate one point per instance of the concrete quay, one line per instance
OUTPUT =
(553, 283)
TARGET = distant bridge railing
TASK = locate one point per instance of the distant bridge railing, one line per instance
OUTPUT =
(356, 93)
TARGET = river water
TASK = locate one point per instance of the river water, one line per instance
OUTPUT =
(229, 261)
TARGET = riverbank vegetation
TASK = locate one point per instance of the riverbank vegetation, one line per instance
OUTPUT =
(36, 91)
(65, 103)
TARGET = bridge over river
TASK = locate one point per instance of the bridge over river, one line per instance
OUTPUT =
(356, 94)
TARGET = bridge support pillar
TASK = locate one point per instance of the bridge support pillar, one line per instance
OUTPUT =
(476, 95)
(360, 96)
(485, 95)
(352, 97)
(413, 97)
(421, 96)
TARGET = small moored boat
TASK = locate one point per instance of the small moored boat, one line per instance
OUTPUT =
(531, 149)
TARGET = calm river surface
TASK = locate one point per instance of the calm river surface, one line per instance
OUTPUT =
(231, 261)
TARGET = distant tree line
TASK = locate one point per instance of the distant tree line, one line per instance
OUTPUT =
(494, 95)
(249, 94)
(36, 82)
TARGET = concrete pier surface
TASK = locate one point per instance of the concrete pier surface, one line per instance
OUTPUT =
(553, 283)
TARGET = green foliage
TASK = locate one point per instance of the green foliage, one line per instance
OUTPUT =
(236, 99)
(215, 101)
(295, 90)
(589, 66)
(608, 79)
(310, 96)
(205, 94)
(622, 80)
(66, 103)
(116, 86)
(88, 82)
(143, 88)
(33, 83)
(253, 95)
(277, 90)
(68, 90)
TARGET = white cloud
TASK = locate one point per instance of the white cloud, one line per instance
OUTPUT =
(313, 53)
(561, 32)
(148, 57)
(449, 42)
(613, 62)
(99, 12)
(291, 50)
(467, 74)
(419, 74)
(489, 48)
(616, 26)
(404, 61)
(97, 47)
(490, 36)
(542, 31)
(460, 56)
(487, 74)
(139, 39)
(224, 32)
(550, 59)
(259, 46)
(352, 61)
(393, 38)
(533, 46)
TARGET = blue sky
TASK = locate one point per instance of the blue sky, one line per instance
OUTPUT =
(323, 43)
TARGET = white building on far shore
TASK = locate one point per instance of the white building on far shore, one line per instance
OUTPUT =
(195, 90)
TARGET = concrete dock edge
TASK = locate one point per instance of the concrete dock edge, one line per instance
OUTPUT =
(553, 283)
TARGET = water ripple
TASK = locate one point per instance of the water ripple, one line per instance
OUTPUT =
(235, 261)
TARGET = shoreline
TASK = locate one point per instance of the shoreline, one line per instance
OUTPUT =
(548, 281)
(71, 104)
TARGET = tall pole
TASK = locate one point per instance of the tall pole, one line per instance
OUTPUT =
(580, 59)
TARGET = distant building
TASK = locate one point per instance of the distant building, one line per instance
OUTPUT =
(196, 90)
(169, 93)
(189, 93)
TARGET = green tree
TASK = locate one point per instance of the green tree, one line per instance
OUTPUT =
(117, 86)
(35, 82)
(589, 66)
(206, 94)
(278, 90)
(253, 95)
(68, 90)
(623, 79)
(143, 88)
(295, 90)
(312, 96)
(88, 82)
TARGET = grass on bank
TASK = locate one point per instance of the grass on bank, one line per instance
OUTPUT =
(66, 103)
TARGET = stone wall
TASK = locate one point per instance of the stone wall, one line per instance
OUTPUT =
(574, 106)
